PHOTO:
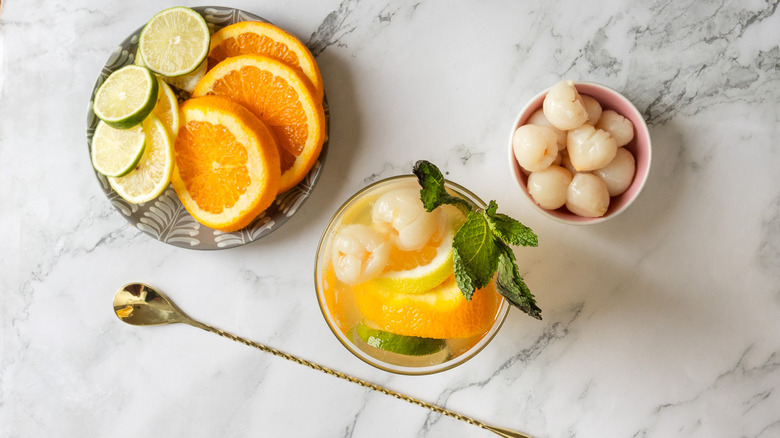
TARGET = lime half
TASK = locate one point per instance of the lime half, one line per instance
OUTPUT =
(174, 42)
(153, 173)
(115, 152)
(126, 97)
(406, 345)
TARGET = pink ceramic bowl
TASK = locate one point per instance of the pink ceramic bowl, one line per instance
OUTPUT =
(640, 147)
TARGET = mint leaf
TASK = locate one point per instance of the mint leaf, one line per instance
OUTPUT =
(462, 277)
(508, 229)
(433, 193)
(475, 253)
(511, 285)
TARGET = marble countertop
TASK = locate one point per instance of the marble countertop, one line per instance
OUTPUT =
(663, 322)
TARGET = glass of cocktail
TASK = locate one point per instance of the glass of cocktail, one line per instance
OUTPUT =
(386, 285)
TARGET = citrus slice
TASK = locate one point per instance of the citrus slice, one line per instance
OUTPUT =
(406, 345)
(278, 96)
(189, 81)
(137, 60)
(167, 108)
(418, 271)
(153, 173)
(260, 38)
(227, 165)
(184, 82)
(126, 97)
(439, 313)
(174, 42)
(115, 152)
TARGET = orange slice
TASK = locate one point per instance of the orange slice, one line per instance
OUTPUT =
(440, 313)
(278, 96)
(227, 165)
(259, 38)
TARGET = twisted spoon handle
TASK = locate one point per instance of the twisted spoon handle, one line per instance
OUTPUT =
(506, 433)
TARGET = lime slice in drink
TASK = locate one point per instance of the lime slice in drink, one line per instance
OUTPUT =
(115, 152)
(420, 277)
(153, 173)
(126, 97)
(167, 108)
(406, 345)
(174, 42)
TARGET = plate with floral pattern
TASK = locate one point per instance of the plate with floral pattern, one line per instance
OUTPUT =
(165, 218)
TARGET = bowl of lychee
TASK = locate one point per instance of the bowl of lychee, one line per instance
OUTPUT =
(580, 152)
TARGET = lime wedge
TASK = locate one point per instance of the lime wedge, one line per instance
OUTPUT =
(167, 108)
(153, 173)
(126, 97)
(115, 152)
(174, 42)
(406, 345)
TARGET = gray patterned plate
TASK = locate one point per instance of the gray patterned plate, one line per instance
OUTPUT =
(165, 218)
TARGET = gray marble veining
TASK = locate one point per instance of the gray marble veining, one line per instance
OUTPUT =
(664, 322)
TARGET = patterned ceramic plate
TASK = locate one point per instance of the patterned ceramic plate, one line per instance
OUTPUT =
(165, 218)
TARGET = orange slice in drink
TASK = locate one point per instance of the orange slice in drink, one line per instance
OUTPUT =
(440, 313)
(227, 164)
(278, 96)
(259, 38)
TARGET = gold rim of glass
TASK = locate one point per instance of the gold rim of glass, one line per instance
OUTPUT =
(503, 309)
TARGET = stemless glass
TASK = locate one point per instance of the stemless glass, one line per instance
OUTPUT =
(341, 312)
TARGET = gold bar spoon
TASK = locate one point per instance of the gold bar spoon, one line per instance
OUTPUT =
(140, 304)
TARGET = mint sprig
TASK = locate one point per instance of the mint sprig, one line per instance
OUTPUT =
(481, 246)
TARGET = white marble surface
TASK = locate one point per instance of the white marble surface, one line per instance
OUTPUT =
(664, 322)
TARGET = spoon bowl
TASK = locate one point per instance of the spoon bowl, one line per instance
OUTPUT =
(139, 304)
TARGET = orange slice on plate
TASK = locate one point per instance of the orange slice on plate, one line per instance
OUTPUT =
(259, 38)
(281, 98)
(227, 164)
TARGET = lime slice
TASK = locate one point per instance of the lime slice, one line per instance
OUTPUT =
(154, 171)
(406, 345)
(167, 108)
(174, 42)
(421, 278)
(115, 152)
(189, 81)
(185, 82)
(138, 60)
(126, 97)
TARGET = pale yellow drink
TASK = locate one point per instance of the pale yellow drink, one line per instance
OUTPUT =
(412, 324)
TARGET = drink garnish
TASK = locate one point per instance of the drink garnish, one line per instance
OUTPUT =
(481, 246)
